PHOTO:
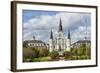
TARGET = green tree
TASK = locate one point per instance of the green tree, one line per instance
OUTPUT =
(29, 53)
(89, 52)
(54, 54)
(24, 44)
(82, 50)
(74, 51)
(43, 52)
(35, 52)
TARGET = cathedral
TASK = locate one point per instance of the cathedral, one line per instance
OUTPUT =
(60, 43)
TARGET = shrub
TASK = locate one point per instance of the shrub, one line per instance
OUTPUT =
(54, 54)
(67, 55)
(83, 57)
(74, 58)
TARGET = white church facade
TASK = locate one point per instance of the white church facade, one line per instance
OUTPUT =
(60, 43)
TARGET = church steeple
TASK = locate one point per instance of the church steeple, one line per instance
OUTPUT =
(51, 35)
(60, 26)
(68, 34)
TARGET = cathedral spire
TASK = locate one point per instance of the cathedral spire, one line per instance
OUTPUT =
(68, 34)
(51, 35)
(60, 26)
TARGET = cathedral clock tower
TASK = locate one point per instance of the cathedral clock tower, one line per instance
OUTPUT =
(51, 45)
(68, 41)
(59, 43)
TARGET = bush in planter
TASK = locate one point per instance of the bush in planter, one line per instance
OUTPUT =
(54, 54)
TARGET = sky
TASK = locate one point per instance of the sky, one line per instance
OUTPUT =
(40, 23)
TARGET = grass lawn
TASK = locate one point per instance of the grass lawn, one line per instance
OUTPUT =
(41, 59)
(48, 58)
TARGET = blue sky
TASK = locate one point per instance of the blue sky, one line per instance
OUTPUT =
(40, 23)
(29, 14)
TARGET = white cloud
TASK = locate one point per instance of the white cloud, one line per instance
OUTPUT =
(48, 21)
(27, 36)
(81, 33)
(42, 25)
